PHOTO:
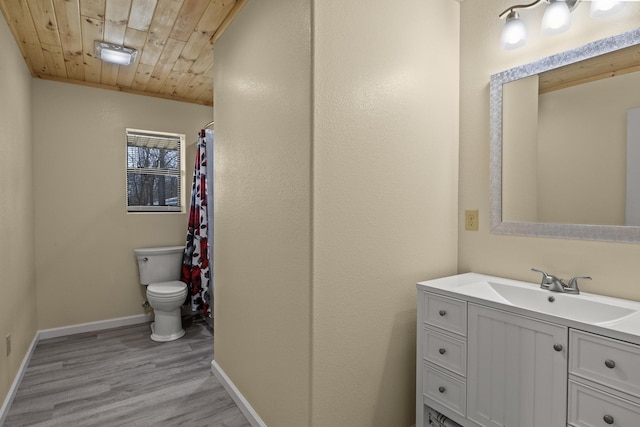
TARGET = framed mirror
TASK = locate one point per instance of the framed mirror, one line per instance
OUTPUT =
(565, 144)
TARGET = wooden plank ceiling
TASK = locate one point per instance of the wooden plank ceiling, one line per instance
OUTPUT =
(173, 37)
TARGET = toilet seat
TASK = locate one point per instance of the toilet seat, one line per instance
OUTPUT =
(166, 289)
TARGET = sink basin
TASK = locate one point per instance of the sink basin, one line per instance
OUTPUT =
(582, 308)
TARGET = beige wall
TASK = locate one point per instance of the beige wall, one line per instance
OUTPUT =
(321, 235)
(17, 277)
(262, 258)
(612, 265)
(384, 197)
(579, 136)
(520, 150)
(85, 267)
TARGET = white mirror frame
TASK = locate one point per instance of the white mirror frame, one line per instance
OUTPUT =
(618, 233)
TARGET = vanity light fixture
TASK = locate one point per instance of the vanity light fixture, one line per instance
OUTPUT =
(556, 18)
(514, 33)
(602, 8)
(114, 53)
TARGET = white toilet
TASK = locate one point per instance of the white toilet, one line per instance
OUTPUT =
(160, 272)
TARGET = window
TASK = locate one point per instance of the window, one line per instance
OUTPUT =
(155, 171)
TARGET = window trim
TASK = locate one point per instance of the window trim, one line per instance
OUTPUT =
(182, 196)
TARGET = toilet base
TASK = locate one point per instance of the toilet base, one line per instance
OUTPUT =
(167, 326)
(166, 337)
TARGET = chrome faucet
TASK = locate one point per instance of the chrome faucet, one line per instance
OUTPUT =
(572, 287)
(550, 282)
(555, 284)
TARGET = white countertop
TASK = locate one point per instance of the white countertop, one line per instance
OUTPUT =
(477, 288)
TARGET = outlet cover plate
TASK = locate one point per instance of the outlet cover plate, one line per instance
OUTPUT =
(471, 220)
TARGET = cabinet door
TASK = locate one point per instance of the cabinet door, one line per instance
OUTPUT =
(517, 373)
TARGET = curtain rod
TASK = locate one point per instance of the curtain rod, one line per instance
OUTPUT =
(209, 125)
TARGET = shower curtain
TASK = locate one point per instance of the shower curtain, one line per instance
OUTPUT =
(196, 272)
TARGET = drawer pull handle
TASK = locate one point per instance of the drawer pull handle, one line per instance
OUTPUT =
(609, 363)
(608, 419)
(557, 347)
(442, 351)
(441, 389)
(442, 312)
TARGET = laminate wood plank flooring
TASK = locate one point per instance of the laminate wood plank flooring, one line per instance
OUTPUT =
(120, 377)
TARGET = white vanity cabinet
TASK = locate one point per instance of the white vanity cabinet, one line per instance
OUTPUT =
(467, 357)
(484, 360)
(442, 348)
(604, 381)
(517, 370)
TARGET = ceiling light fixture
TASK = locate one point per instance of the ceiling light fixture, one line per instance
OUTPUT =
(556, 18)
(114, 53)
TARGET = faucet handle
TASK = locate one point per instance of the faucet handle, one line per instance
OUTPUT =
(572, 287)
(546, 279)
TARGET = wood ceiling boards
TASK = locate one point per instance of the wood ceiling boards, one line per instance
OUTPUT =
(173, 37)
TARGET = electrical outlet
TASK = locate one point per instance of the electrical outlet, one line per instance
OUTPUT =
(471, 220)
(8, 341)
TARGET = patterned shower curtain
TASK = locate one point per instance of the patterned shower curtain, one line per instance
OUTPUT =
(195, 263)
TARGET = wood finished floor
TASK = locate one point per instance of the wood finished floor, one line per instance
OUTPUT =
(119, 377)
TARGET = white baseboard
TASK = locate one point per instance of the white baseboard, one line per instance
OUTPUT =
(61, 332)
(13, 390)
(242, 403)
(94, 326)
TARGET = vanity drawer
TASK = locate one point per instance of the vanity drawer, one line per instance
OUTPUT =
(445, 351)
(444, 389)
(447, 313)
(589, 407)
(607, 361)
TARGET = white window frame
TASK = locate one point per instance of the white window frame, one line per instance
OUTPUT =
(182, 190)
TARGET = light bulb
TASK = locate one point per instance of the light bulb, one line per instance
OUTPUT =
(600, 8)
(556, 19)
(514, 34)
(115, 56)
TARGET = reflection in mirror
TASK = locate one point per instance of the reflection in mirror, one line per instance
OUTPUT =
(564, 152)
(565, 144)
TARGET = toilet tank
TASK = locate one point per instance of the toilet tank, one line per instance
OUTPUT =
(162, 264)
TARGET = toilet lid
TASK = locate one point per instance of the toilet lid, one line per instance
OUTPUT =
(166, 288)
